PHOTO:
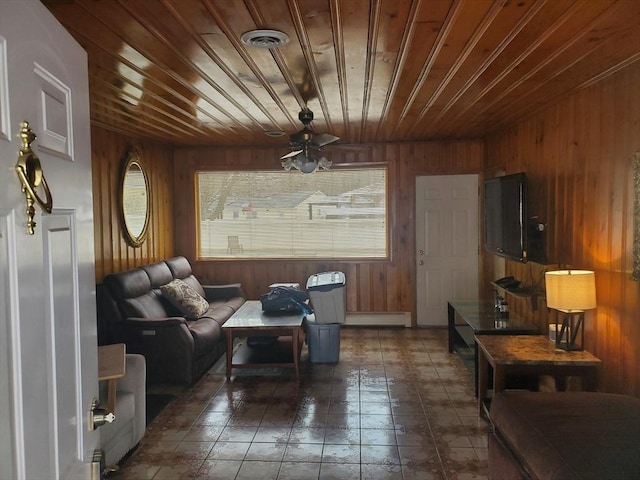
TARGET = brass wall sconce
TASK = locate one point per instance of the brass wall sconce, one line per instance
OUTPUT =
(31, 176)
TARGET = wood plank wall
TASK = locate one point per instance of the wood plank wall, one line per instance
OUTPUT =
(577, 156)
(372, 286)
(113, 253)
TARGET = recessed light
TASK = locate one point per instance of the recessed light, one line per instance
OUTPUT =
(274, 133)
(265, 38)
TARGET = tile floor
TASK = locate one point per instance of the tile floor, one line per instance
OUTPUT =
(396, 406)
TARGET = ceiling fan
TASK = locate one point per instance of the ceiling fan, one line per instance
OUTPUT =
(306, 146)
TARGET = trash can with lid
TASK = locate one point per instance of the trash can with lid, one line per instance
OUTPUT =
(327, 296)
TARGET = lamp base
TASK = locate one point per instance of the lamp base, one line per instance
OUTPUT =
(567, 333)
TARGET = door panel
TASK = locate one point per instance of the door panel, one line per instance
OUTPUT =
(55, 130)
(11, 428)
(447, 244)
(63, 342)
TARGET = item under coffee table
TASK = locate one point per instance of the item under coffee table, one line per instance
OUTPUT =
(280, 337)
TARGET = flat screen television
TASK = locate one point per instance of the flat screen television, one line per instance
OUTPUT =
(505, 216)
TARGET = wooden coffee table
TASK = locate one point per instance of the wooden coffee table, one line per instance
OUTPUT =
(529, 355)
(250, 321)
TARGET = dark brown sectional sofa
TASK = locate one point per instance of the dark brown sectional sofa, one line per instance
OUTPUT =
(132, 309)
(564, 436)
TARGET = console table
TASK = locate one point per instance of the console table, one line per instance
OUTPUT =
(470, 318)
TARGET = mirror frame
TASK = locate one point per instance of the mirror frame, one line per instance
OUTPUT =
(134, 158)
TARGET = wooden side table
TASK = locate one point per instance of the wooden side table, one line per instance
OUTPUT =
(529, 354)
(111, 366)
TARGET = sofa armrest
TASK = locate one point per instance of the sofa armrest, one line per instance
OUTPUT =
(167, 344)
(135, 375)
(223, 292)
(169, 322)
(134, 381)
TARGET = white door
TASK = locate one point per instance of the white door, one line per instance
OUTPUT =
(446, 243)
(48, 341)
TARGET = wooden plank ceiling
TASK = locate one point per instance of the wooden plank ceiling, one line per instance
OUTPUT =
(370, 70)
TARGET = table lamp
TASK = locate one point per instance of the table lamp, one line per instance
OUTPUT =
(571, 292)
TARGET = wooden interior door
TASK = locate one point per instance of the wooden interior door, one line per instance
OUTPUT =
(446, 243)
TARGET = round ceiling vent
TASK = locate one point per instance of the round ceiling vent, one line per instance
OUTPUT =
(274, 133)
(265, 38)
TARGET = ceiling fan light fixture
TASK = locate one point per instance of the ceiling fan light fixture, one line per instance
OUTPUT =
(265, 38)
(324, 164)
(306, 165)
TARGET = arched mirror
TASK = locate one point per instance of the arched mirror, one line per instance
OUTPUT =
(135, 199)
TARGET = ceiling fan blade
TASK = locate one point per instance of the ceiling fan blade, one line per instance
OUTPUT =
(291, 154)
(322, 139)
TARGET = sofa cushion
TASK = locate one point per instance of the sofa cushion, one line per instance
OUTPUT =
(185, 298)
(181, 268)
(158, 273)
(129, 284)
(218, 312)
(570, 435)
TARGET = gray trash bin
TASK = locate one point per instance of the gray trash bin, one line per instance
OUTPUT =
(327, 296)
(323, 340)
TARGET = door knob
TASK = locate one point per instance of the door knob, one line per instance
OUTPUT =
(421, 262)
(98, 416)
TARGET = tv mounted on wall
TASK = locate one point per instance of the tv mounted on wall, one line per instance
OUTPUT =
(505, 216)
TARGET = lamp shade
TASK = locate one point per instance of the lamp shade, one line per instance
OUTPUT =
(571, 290)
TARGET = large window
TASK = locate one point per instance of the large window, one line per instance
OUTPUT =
(335, 214)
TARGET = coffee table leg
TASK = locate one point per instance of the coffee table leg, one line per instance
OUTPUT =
(229, 352)
(296, 351)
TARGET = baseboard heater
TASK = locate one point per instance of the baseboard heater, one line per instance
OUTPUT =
(379, 319)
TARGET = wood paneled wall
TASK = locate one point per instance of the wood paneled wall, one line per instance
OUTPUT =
(372, 286)
(577, 156)
(113, 253)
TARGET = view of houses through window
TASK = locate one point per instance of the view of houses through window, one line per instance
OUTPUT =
(333, 214)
